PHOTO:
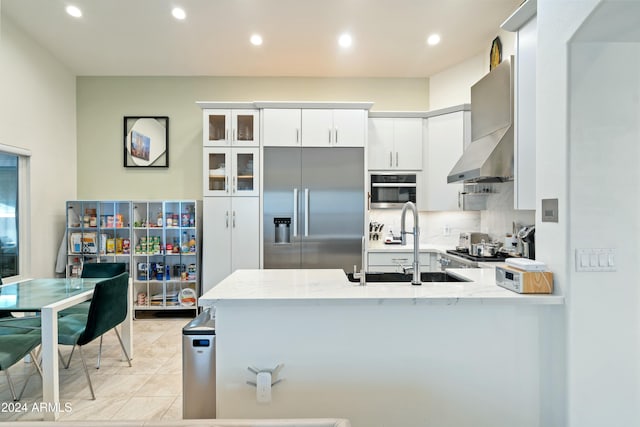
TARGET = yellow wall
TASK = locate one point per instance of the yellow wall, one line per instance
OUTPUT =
(103, 101)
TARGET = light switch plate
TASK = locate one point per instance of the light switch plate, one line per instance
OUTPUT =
(549, 210)
(596, 259)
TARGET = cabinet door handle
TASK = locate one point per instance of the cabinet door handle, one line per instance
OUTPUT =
(297, 136)
(235, 135)
(396, 159)
(235, 183)
(397, 260)
(227, 134)
(295, 212)
(459, 204)
(226, 183)
(306, 212)
(226, 220)
(233, 221)
(329, 136)
(390, 159)
(336, 139)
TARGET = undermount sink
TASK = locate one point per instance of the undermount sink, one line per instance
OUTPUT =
(428, 276)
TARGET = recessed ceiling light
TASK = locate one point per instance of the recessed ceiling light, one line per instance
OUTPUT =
(256, 39)
(74, 11)
(433, 40)
(345, 40)
(178, 13)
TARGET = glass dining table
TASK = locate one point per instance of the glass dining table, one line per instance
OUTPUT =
(48, 297)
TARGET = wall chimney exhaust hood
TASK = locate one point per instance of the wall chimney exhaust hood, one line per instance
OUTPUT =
(489, 156)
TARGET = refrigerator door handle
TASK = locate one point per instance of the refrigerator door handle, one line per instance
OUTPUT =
(295, 212)
(226, 221)
(306, 212)
(234, 219)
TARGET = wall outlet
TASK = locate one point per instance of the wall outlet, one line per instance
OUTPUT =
(446, 230)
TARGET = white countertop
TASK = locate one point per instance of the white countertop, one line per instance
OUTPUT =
(380, 246)
(260, 286)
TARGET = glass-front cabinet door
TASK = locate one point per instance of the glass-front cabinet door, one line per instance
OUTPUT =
(224, 128)
(231, 172)
(245, 126)
(217, 128)
(217, 172)
(245, 172)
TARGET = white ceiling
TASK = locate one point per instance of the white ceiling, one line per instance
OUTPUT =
(140, 37)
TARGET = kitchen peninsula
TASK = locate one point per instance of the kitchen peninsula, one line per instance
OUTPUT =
(455, 354)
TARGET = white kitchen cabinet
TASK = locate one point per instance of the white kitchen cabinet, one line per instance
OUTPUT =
(281, 127)
(231, 127)
(524, 196)
(333, 127)
(393, 261)
(231, 237)
(231, 172)
(447, 135)
(395, 143)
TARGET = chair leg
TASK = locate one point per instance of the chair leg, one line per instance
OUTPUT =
(122, 345)
(36, 368)
(99, 352)
(13, 391)
(66, 365)
(86, 372)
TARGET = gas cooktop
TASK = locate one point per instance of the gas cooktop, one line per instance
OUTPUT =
(499, 257)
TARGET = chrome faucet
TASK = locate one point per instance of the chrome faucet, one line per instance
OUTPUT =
(363, 274)
(416, 239)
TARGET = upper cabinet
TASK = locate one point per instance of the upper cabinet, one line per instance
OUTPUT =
(223, 127)
(333, 127)
(395, 143)
(447, 136)
(524, 23)
(314, 124)
(281, 127)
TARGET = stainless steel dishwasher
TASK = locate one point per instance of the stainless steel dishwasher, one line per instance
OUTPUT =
(199, 367)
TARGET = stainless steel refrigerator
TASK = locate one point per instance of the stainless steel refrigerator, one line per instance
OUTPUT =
(313, 207)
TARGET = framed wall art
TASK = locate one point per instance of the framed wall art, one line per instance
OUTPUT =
(495, 54)
(146, 141)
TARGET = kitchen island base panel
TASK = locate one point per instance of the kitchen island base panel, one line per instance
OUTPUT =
(408, 365)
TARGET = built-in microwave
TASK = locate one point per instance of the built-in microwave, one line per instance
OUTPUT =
(392, 190)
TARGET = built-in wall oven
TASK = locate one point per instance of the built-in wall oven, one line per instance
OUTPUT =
(392, 190)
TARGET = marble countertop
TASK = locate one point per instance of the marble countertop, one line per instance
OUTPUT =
(260, 286)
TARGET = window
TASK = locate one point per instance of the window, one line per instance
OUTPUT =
(13, 201)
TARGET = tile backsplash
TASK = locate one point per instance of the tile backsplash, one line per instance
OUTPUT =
(438, 228)
(500, 215)
(443, 228)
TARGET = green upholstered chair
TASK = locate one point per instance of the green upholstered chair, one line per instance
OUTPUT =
(20, 325)
(13, 348)
(95, 270)
(101, 270)
(108, 309)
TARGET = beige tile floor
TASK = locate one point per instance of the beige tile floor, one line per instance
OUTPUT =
(150, 390)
